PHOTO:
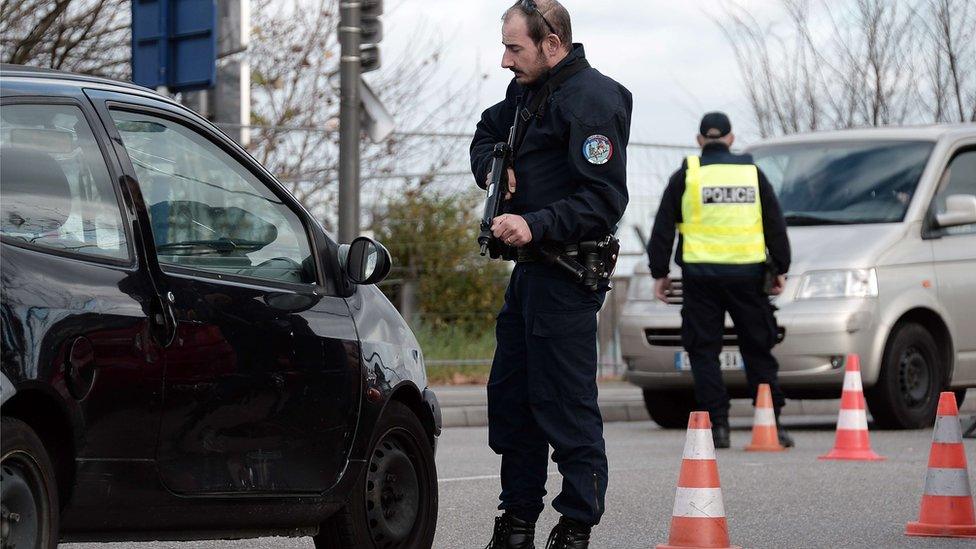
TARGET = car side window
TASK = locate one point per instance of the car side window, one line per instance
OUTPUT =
(958, 178)
(55, 188)
(207, 210)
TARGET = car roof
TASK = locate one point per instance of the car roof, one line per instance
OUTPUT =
(930, 132)
(8, 70)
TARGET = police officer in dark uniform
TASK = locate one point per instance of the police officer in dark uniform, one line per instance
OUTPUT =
(733, 237)
(567, 189)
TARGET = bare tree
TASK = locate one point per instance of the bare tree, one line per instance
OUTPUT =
(856, 63)
(951, 65)
(294, 56)
(87, 36)
(294, 61)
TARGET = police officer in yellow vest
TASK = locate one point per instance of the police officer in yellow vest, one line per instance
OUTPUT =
(731, 231)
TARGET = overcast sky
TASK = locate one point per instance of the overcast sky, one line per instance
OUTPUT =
(668, 53)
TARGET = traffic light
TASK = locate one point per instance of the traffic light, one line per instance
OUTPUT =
(372, 33)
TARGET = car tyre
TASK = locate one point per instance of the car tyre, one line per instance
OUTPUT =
(912, 376)
(960, 396)
(29, 489)
(394, 504)
(669, 409)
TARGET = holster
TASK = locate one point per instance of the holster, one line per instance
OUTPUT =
(590, 262)
(769, 276)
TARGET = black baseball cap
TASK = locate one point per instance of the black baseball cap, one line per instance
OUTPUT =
(714, 125)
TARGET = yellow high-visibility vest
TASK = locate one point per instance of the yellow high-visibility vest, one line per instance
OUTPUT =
(722, 214)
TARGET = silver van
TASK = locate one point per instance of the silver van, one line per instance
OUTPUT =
(882, 224)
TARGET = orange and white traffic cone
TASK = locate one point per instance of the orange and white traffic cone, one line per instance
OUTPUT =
(852, 442)
(764, 435)
(698, 519)
(947, 504)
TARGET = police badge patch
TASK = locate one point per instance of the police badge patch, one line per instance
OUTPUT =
(597, 149)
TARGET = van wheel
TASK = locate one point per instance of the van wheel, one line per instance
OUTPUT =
(912, 375)
(669, 409)
(394, 504)
(960, 396)
(29, 499)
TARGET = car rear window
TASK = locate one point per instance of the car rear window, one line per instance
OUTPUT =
(56, 189)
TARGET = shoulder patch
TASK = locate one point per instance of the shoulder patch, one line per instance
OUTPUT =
(597, 149)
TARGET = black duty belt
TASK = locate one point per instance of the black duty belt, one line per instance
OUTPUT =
(532, 255)
(589, 262)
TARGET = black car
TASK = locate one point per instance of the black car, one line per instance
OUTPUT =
(186, 354)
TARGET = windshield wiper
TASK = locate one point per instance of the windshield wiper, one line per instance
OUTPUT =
(220, 245)
(797, 219)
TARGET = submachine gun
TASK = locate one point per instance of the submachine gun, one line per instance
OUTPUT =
(501, 160)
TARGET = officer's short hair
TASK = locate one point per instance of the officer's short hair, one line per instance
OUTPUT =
(555, 14)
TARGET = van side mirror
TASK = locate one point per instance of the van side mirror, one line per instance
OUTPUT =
(365, 261)
(960, 210)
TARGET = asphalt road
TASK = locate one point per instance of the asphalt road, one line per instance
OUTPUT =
(772, 500)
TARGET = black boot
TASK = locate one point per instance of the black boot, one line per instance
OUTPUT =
(720, 433)
(512, 533)
(785, 440)
(569, 534)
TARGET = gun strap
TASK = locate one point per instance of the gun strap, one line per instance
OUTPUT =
(541, 97)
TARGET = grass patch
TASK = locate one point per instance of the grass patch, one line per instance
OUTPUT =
(456, 356)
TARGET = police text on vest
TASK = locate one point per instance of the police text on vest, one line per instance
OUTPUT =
(728, 195)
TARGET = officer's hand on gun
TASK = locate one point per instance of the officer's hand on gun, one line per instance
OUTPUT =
(512, 230)
(511, 183)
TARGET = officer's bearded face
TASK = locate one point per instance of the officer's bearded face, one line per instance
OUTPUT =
(522, 56)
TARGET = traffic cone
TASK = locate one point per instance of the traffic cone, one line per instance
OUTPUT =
(852, 442)
(764, 435)
(947, 504)
(698, 519)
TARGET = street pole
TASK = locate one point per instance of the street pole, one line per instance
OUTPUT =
(349, 73)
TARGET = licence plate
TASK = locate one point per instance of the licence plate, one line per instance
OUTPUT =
(728, 360)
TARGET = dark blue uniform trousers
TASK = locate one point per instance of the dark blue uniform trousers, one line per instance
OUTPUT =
(706, 300)
(542, 392)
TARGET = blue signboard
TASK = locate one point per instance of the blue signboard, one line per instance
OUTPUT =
(174, 44)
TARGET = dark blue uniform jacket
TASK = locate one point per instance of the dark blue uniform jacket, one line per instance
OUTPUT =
(563, 196)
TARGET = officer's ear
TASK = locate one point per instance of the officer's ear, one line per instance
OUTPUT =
(731, 139)
(552, 44)
(700, 139)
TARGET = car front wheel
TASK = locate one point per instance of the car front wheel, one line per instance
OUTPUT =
(394, 505)
(669, 409)
(912, 376)
(29, 514)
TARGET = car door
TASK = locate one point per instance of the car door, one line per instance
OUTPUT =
(955, 261)
(262, 379)
(79, 309)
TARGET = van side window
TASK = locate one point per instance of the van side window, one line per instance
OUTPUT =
(55, 189)
(207, 211)
(959, 178)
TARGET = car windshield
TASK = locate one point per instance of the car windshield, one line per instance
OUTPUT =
(836, 183)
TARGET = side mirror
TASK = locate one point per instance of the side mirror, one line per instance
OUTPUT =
(365, 261)
(960, 210)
